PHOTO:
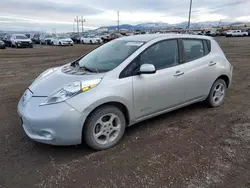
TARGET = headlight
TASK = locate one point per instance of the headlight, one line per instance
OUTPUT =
(70, 90)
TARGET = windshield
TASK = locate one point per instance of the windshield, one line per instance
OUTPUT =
(109, 56)
(21, 37)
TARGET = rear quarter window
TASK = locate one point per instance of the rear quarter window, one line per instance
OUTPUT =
(193, 49)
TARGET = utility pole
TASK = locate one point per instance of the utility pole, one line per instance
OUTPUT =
(190, 11)
(219, 23)
(77, 24)
(73, 26)
(118, 21)
(82, 21)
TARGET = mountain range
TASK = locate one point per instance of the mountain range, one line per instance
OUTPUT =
(161, 25)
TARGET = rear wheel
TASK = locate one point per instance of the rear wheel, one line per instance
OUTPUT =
(217, 93)
(104, 128)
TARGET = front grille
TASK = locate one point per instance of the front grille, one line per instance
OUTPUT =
(25, 43)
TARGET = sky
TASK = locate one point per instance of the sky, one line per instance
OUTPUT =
(46, 15)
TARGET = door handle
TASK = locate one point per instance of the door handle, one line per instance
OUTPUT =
(212, 63)
(178, 73)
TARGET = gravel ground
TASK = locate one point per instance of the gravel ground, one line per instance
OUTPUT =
(194, 147)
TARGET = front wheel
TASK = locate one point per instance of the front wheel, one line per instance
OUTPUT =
(217, 93)
(104, 128)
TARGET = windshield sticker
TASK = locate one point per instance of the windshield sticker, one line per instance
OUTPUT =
(134, 43)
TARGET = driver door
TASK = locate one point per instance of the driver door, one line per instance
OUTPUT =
(154, 93)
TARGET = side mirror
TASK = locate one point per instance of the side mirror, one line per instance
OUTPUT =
(147, 69)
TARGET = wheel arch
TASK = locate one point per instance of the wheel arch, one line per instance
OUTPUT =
(225, 78)
(117, 104)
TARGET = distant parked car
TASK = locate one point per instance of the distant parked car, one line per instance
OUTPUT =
(236, 33)
(76, 38)
(46, 39)
(6, 40)
(20, 40)
(36, 39)
(62, 41)
(96, 97)
(2, 44)
(28, 35)
(91, 40)
(211, 33)
(112, 37)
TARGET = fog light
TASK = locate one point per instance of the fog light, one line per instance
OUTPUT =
(46, 134)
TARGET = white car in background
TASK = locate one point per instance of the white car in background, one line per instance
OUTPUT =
(91, 40)
(46, 39)
(62, 41)
(236, 33)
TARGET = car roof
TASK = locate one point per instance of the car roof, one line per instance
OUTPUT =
(149, 37)
(19, 35)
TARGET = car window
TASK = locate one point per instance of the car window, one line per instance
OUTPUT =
(193, 49)
(162, 55)
(21, 37)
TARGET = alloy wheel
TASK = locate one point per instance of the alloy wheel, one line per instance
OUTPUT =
(218, 93)
(107, 129)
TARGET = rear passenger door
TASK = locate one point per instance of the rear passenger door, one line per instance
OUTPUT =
(198, 67)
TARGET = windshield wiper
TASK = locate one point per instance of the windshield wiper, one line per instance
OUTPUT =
(87, 69)
(84, 67)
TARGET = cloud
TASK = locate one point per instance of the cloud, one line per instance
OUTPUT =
(61, 13)
(46, 6)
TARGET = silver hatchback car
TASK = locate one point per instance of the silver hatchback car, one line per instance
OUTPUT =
(128, 80)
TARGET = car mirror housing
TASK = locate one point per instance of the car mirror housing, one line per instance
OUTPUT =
(147, 69)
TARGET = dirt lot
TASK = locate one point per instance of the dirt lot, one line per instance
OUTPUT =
(194, 147)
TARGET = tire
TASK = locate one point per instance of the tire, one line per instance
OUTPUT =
(211, 99)
(91, 42)
(60, 44)
(106, 128)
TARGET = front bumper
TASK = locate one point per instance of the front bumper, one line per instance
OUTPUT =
(67, 43)
(21, 45)
(57, 124)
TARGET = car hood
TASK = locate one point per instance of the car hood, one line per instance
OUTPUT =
(66, 40)
(23, 40)
(54, 81)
